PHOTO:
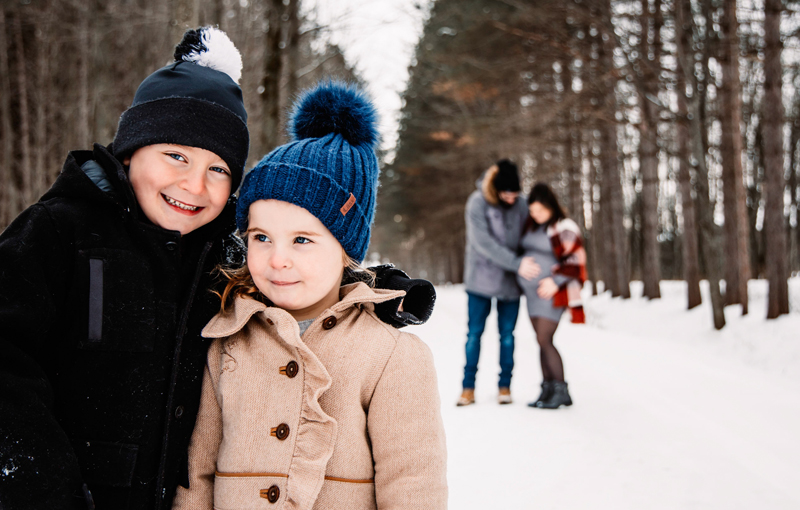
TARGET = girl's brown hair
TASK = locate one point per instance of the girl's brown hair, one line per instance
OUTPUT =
(240, 282)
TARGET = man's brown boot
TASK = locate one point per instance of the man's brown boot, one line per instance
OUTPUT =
(467, 397)
(504, 396)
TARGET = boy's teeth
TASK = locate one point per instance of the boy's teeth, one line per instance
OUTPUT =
(174, 202)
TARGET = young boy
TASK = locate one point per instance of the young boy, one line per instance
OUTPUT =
(104, 288)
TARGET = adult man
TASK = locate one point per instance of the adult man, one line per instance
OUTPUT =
(495, 216)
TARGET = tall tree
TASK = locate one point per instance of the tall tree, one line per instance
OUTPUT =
(83, 129)
(292, 46)
(185, 15)
(689, 249)
(26, 190)
(709, 249)
(737, 265)
(271, 82)
(612, 201)
(775, 185)
(8, 194)
(650, 23)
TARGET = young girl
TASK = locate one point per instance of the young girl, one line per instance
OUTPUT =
(309, 400)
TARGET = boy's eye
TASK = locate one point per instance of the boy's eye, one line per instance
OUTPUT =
(302, 240)
(177, 157)
(220, 170)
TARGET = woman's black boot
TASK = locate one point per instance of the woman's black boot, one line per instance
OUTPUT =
(559, 397)
(547, 390)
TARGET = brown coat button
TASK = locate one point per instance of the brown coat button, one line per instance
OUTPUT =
(272, 494)
(290, 370)
(329, 323)
(281, 431)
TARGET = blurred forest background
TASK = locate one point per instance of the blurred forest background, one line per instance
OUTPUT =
(668, 128)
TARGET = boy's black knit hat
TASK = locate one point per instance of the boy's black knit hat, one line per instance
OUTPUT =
(507, 178)
(195, 101)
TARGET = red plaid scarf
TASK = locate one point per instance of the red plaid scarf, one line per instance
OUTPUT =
(565, 237)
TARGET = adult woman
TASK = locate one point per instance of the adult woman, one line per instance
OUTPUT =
(555, 243)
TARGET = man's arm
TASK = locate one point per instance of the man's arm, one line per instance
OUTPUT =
(482, 241)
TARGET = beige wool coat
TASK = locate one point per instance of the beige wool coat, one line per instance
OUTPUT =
(348, 417)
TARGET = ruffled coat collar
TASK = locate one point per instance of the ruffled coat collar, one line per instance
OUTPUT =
(317, 431)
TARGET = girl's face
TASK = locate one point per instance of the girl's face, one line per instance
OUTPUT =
(293, 258)
(540, 213)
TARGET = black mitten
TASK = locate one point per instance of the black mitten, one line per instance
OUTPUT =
(417, 303)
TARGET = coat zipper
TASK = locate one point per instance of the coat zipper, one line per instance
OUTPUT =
(161, 491)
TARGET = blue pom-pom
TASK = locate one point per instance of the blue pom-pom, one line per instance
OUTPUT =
(335, 107)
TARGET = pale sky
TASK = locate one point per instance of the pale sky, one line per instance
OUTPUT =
(378, 38)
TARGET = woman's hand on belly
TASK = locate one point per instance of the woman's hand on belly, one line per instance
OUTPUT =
(547, 288)
(528, 268)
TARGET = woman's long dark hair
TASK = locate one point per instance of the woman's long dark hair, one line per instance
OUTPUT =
(542, 193)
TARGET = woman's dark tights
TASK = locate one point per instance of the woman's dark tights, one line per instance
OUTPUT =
(552, 367)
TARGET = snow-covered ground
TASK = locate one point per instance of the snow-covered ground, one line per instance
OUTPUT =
(669, 413)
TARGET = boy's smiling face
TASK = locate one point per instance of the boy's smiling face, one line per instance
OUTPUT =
(293, 258)
(179, 187)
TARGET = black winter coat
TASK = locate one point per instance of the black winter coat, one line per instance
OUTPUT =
(101, 357)
(100, 348)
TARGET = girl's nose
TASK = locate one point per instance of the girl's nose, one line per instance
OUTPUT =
(278, 259)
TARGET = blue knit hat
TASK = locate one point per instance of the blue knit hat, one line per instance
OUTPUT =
(330, 169)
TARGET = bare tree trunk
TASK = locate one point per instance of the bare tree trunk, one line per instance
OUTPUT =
(43, 37)
(792, 184)
(576, 176)
(689, 249)
(635, 231)
(8, 198)
(593, 252)
(611, 195)
(185, 15)
(775, 185)
(737, 264)
(292, 48)
(270, 97)
(84, 38)
(218, 13)
(606, 242)
(648, 150)
(710, 250)
(651, 267)
(24, 116)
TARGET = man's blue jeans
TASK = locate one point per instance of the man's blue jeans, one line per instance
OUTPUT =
(478, 309)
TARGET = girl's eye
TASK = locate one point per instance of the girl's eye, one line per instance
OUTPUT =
(177, 157)
(220, 170)
(261, 238)
(302, 240)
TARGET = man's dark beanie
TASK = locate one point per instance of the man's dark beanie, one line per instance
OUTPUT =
(195, 101)
(507, 178)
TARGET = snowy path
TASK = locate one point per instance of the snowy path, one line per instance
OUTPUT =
(668, 414)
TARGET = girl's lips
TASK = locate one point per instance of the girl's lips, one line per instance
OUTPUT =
(281, 284)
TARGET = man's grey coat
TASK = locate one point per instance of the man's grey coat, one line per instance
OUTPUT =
(493, 234)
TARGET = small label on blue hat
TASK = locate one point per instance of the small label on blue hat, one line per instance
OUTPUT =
(348, 205)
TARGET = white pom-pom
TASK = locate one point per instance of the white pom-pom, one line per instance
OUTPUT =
(211, 47)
